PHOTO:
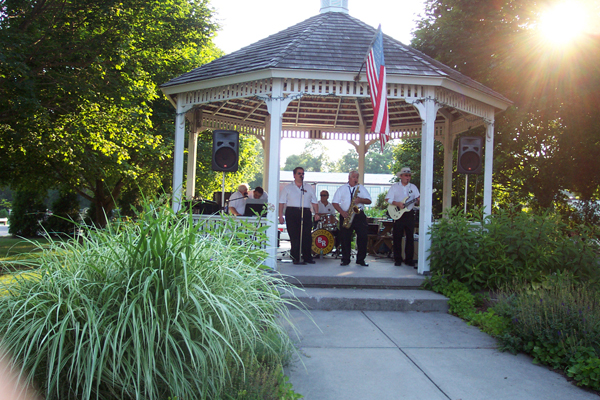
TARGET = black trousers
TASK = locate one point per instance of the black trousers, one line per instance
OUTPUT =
(360, 226)
(292, 221)
(404, 225)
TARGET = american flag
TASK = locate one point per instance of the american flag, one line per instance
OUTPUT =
(376, 78)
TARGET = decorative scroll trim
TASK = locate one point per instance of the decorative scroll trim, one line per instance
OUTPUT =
(228, 92)
(463, 125)
(407, 132)
(324, 87)
(213, 122)
(298, 87)
(463, 103)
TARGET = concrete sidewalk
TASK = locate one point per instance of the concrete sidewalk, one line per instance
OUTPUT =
(385, 355)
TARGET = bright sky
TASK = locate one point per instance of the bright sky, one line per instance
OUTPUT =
(244, 22)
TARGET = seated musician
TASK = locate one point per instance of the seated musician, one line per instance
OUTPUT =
(325, 207)
(259, 193)
(237, 201)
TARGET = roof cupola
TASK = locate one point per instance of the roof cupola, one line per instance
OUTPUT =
(334, 6)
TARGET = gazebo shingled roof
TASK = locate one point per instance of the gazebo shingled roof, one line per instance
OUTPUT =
(304, 82)
(330, 41)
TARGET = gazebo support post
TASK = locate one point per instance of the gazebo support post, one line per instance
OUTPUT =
(427, 108)
(266, 154)
(276, 107)
(361, 154)
(489, 165)
(192, 158)
(448, 159)
(178, 155)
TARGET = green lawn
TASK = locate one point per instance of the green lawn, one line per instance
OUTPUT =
(11, 247)
(17, 253)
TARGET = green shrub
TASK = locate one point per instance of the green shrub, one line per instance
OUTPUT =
(586, 371)
(27, 214)
(460, 301)
(491, 323)
(490, 252)
(65, 215)
(154, 309)
(557, 321)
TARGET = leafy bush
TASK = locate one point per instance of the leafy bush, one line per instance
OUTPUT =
(487, 253)
(558, 323)
(65, 215)
(154, 309)
(460, 301)
(27, 213)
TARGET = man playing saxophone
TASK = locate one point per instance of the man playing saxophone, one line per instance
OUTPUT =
(349, 200)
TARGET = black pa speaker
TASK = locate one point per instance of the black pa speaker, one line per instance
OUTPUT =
(225, 151)
(469, 155)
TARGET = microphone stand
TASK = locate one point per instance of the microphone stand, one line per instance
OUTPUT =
(301, 216)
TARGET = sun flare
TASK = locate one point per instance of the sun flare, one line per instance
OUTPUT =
(564, 22)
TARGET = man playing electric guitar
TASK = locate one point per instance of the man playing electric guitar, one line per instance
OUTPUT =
(405, 196)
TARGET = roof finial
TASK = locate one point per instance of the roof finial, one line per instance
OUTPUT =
(334, 6)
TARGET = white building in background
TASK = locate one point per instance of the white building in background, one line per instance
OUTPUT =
(330, 181)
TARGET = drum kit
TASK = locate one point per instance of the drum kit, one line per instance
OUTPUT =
(324, 235)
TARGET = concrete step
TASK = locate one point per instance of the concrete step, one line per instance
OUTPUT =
(370, 299)
(350, 281)
(380, 274)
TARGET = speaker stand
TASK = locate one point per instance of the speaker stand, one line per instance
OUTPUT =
(223, 192)
(466, 187)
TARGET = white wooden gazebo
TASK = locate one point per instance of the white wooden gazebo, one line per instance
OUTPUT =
(303, 82)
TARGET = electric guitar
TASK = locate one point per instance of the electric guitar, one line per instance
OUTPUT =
(397, 212)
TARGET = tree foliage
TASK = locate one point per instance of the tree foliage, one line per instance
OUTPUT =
(376, 162)
(408, 154)
(550, 139)
(312, 158)
(27, 214)
(79, 98)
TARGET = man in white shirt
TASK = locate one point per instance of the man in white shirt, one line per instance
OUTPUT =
(299, 200)
(400, 193)
(325, 207)
(237, 201)
(341, 202)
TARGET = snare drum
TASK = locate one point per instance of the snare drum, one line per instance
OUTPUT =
(329, 222)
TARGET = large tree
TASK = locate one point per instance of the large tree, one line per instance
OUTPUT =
(79, 98)
(376, 162)
(550, 139)
(312, 158)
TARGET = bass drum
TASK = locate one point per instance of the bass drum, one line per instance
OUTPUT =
(322, 241)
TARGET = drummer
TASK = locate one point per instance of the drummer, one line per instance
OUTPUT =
(327, 213)
(325, 207)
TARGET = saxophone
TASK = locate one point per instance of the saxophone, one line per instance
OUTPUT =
(352, 211)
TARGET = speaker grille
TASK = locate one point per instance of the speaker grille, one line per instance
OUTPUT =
(225, 157)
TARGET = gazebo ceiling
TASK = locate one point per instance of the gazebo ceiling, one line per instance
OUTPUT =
(325, 112)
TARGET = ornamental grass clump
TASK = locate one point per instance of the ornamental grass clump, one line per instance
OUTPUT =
(152, 309)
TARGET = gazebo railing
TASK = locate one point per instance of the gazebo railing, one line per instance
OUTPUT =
(246, 231)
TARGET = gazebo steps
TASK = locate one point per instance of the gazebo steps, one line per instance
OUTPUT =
(359, 282)
(369, 299)
(327, 272)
